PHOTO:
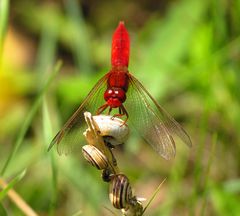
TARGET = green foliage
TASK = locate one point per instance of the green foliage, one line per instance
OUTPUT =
(185, 52)
(29, 118)
(2, 210)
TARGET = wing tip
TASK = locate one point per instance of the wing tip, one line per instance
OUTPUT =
(51, 145)
(55, 140)
(188, 141)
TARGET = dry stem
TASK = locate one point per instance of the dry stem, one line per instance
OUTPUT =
(18, 200)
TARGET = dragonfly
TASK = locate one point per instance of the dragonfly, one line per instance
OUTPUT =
(119, 92)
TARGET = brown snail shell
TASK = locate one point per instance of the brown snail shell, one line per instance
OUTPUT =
(95, 157)
(120, 192)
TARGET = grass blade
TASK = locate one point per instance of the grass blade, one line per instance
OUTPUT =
(207, 174)
(47, 128)
(4, 9)
(14, 196)
(10, 185)
(154, 195)
(30, 116)
(80, 37)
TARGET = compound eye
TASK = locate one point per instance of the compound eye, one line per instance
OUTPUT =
(108, 94)
(121, 95)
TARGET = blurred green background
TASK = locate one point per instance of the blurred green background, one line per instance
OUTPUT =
(185, 52)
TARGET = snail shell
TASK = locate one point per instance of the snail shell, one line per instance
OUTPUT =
(120, 192)
(114, 130)
(95, 157)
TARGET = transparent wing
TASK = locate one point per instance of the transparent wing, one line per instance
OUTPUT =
(153, 123)
(69, 138)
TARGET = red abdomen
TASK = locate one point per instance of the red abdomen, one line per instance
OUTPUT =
(120, 47)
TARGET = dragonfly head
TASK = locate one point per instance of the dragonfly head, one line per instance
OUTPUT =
(114, 97)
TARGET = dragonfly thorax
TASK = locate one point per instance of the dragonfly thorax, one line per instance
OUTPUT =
(114, 97)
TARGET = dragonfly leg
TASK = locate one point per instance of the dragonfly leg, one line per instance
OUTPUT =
(122, 112)
(110, 110)
(102, 108)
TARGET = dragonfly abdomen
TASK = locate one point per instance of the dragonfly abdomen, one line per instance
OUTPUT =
(120, 47)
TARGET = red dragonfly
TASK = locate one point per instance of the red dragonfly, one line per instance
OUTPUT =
(121, 94)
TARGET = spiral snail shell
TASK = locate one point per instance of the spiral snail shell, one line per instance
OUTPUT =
(95, 157)
(114, 130)
(120, 192)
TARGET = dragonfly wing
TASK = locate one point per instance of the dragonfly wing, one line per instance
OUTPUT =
(154, 124)
(69, 138)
